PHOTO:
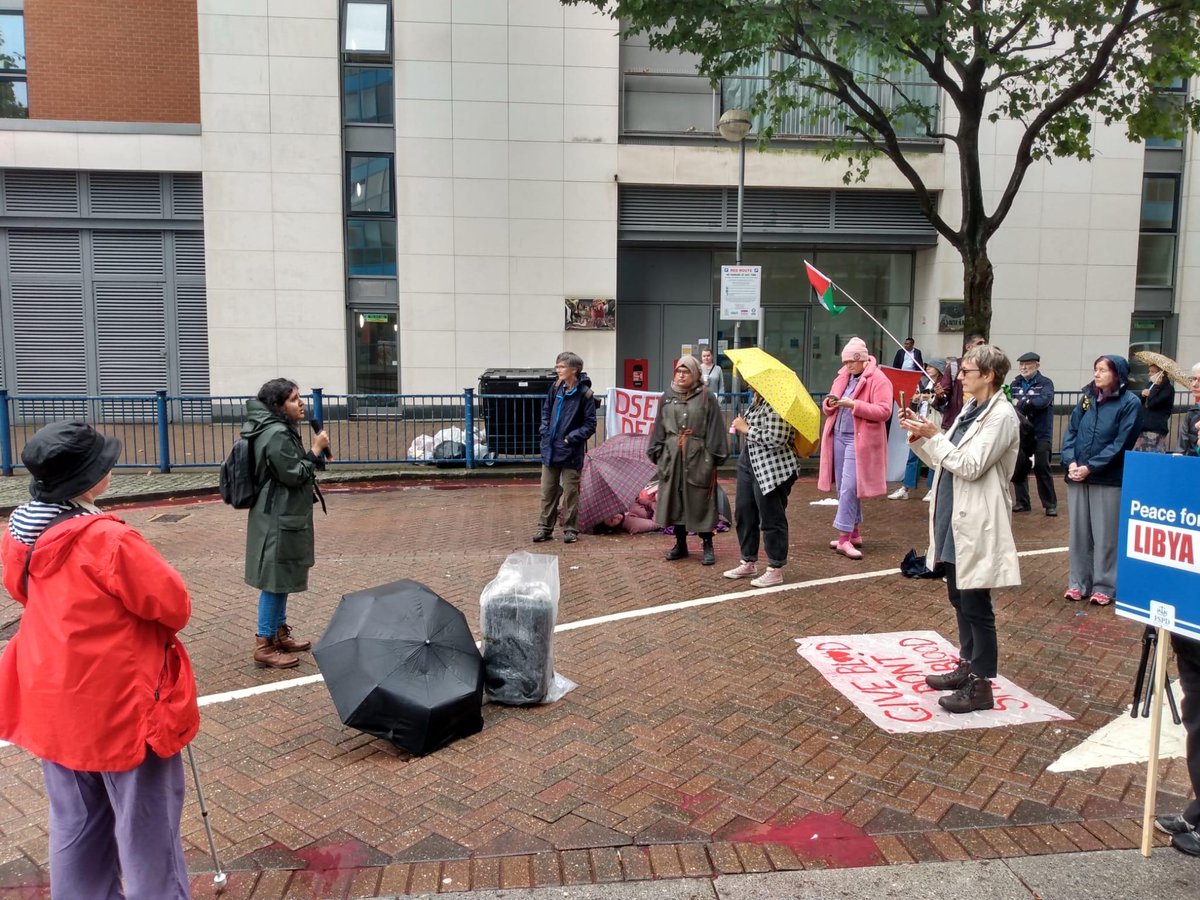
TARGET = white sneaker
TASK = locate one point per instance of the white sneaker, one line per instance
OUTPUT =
(928, 498)
(745, 570)
(900, 493)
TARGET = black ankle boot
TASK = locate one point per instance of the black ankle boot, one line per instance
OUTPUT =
(952, 680)
(679, 551)
(976, 694)
(710, 555)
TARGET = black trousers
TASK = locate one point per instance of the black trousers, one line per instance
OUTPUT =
(976, 626)
(755, 511)
(1187, 657)
(1041, 471)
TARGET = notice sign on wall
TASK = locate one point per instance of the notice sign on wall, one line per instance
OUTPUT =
(741, 291)
(1158, 547)
(884, 676)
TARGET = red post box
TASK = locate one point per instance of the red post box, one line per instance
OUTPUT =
(637, 374)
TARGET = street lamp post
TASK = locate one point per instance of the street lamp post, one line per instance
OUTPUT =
(734, 125)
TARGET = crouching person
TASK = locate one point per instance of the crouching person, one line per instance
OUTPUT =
(95, 682)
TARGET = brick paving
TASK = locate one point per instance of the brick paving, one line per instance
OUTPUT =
(697, 743)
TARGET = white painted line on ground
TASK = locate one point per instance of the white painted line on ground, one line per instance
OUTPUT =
(1123, 741)
(229, 696)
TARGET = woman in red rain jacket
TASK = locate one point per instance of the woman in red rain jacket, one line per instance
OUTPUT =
(95, 682)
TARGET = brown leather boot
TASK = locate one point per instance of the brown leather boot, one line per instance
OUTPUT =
(975, 695)
(268, 656)
(283, 640)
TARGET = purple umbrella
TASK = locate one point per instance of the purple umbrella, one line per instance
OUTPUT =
(613, 475)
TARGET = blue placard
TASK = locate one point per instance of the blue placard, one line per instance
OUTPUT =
(1158, 550)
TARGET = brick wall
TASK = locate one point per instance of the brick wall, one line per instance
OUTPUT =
(113, 60)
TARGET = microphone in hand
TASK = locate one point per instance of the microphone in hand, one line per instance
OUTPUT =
(317, 428)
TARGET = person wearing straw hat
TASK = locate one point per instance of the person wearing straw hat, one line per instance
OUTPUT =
(95, 682)
(854, 442)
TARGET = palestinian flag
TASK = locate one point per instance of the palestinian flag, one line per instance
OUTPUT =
(824, 288)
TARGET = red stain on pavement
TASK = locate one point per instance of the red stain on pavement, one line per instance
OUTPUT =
(342, 855)
(826, 838)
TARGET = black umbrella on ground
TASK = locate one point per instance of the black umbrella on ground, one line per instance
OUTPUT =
(400, 663)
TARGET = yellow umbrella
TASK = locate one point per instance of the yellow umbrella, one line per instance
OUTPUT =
(782, 389)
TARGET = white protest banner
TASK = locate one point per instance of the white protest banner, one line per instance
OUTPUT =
(884, 676)
(630, 412)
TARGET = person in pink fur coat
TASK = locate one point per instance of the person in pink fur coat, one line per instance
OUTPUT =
(854, 441)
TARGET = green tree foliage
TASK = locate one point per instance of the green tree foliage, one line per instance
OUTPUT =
(1055, 67)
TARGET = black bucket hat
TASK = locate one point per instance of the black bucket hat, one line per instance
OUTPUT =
(67, 458)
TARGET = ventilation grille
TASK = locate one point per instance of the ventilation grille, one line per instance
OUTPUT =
(127, 253)
(189, 254)
(187, 196)
(48, 338)
(671, 209)
(42, 253)
(192, 315)
(131, 337)
(41, 192)
(771, 210)
(126, 194)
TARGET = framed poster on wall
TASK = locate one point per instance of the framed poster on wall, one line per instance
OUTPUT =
(596, 314)
(952, 316)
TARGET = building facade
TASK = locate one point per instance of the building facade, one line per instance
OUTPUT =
(380, 196)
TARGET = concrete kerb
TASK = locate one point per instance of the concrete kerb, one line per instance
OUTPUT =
(155, 486)
(1098, 875)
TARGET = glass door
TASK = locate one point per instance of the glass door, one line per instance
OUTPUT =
(376, 357)
(785, 337)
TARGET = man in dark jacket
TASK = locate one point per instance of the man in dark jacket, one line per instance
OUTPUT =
(1033, 397)
(568, 420)
(908, 357)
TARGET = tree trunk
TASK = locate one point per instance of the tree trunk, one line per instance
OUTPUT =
(977, 292)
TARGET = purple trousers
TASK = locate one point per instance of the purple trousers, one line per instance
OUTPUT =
(845, 474)
(115, 835)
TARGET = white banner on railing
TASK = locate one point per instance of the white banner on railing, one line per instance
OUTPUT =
(630, 412)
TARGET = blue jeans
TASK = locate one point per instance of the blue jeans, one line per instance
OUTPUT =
(272, 612)
(912, 472)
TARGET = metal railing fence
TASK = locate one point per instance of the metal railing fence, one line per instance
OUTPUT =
(162, 432)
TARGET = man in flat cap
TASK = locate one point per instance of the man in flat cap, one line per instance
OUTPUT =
(1033, 396)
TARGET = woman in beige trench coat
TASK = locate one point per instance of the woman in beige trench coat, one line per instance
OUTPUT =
(970, 519)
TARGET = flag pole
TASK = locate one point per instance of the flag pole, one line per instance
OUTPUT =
(899, 343)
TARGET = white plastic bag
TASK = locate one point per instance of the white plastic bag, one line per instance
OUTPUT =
(422, 447)
(518, 610)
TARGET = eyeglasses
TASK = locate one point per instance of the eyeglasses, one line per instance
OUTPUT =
(965, 371)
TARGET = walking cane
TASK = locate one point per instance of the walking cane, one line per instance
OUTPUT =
(220, 878)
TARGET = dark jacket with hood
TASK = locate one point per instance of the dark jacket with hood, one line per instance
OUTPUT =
(279, 534)
(568, 420)
(1101, 430)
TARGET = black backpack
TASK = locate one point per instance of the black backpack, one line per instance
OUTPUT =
(237, 483)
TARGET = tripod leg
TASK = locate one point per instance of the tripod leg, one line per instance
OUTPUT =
(1139, 683)
(1149, 694)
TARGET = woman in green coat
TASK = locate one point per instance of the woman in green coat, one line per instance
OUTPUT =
(279, 535)
(688, 443)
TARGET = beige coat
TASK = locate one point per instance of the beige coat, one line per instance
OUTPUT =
(981, 518)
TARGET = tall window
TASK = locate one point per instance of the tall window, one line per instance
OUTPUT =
(14, 90)
(368, 30)
(1159, 228)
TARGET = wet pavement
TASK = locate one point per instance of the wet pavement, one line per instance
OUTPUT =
(698, 744)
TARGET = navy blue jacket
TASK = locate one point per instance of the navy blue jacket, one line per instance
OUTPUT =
(568, 420)
(1098, 434)
(1034, 399)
